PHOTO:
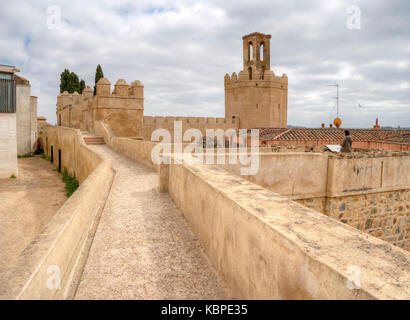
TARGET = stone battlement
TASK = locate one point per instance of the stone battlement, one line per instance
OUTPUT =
(121, 89)
(188, 120)
(268, 76)
(122, 108)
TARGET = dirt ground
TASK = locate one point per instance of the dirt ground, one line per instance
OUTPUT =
(26, 205)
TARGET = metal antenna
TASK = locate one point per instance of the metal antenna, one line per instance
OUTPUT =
(337, 96)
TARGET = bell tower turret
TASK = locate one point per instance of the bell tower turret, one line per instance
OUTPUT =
(256, 96)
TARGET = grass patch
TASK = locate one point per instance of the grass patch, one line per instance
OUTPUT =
(28, 155)
(45, 157)
(13, 176)
(71, 182)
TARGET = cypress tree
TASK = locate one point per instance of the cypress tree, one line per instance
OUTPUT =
(64, 80)
(98, 75)
(82, 86)
(73, 83)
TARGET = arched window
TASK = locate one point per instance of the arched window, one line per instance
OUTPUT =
(261, 57)
(250, 73)
(250, 52)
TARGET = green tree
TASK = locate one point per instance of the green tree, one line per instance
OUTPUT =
(98, 75)
(64, 80)
(73, 83)
(82, 86)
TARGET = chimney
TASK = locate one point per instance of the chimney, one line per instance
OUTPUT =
(330, 125)
(376, 126)
(323, 125)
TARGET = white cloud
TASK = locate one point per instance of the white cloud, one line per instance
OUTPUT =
(181, 51)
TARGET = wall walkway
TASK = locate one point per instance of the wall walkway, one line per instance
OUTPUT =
(143, 247)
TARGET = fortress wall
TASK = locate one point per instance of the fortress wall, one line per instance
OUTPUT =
(152, 123)
(122, 108)
(138, 150)
(385, 215)
(260, 103)
(289, 174)
(370, 194)
(269, 247)
(65, 241)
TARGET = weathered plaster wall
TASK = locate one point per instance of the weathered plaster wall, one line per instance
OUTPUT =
(289, 174)
(26, 112)
(34, 128)
(8, 145)
(268, 247)
(75, 155)
(65, 242)
(370, 194)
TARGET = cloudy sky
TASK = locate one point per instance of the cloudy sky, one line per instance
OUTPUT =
(181, 51)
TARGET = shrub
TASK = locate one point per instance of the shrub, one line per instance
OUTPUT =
(39, 151)
(13, 176)
(71, 182)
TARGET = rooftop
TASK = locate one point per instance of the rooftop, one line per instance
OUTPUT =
(334, 134)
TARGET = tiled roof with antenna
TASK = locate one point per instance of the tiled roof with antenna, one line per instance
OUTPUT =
(332, 134)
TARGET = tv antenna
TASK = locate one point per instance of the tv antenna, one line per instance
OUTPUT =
(337, 97)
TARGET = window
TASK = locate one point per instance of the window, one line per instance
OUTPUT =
(261, 51)
(250, 52)
(250, 73)
(7, 93)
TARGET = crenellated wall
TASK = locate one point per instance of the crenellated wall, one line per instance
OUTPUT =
(152, 123)
(122, 109)
(258, 103)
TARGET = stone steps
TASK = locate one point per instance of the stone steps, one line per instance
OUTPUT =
(94, 140)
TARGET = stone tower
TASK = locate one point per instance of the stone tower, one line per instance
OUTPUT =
(257, 97)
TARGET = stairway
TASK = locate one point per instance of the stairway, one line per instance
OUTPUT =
(93, 140)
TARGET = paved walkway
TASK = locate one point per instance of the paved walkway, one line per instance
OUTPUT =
(143, 247)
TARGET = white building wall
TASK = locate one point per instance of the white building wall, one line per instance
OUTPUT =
(33, 114)
(8, 145)
(23, 111)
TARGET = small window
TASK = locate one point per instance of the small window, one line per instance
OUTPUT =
(6, 76)
(261, 51)
(250, 73)
(7, 93)
(250, 52)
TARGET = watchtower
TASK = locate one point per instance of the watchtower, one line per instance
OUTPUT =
(256, 97)
(256, 54)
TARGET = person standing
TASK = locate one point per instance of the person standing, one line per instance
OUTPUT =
(347, 142)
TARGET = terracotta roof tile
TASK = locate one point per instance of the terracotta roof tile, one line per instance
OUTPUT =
(332, 134)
